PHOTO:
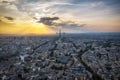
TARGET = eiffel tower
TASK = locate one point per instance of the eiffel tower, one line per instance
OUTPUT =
(60, 33)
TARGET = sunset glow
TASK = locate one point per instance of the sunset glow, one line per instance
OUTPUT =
(24, 17)
(26, 29)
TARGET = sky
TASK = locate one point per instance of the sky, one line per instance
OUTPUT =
(43, 17)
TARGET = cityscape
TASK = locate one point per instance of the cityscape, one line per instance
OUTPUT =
(59, 39)
(60, 57)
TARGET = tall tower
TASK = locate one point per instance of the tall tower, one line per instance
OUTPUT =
(59, 32)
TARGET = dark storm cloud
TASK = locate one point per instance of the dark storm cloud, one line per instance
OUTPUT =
(48, 20)
(71, 25)
(7, 2)
(9, 18)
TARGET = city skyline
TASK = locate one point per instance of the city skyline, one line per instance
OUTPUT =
(43, 17)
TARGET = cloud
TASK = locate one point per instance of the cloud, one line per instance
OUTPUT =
(81, 12)
(9, 18)
(8, 1)
(5, 2)
(71, 25)
(48, 20)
